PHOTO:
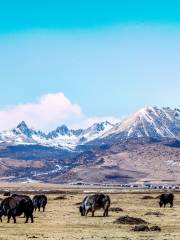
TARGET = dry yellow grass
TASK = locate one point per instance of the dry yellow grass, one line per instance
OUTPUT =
(63, 221)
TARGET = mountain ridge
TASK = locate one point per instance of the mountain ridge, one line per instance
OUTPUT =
(62, 136)
(148, 122)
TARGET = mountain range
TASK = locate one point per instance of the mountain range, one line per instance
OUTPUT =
(61, 137)
(104, 152)
(148, 122)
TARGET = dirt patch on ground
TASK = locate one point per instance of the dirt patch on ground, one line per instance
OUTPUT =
(145, 228)
(78, 203)
(155, 228)
(130, 220)
(147, 197)
(154, 214)
(116, 209)
(141, 228)
(62, 197)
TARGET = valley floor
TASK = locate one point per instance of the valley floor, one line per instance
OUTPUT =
(63, 221)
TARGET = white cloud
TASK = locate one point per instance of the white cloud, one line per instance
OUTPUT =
(48, 112)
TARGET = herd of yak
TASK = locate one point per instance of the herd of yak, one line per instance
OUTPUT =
(97, 201)
(15, 205)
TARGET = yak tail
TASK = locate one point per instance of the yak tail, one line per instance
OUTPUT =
(108, 201)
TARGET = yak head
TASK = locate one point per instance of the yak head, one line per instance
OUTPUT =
(82, 210)
(160, 203)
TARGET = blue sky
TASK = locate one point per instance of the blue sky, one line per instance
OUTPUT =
(108, 57)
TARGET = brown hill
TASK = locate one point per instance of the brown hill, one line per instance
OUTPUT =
(134, 161)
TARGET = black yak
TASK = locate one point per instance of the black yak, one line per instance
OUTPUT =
(166, 198)
(39, 201)
(15, 206)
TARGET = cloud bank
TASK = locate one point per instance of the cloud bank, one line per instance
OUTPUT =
(48, 112)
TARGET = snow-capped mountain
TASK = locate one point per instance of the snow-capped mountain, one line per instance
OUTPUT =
(96, 130)
(60, 137)
(63, 136)
(148, 122)
(22, 134)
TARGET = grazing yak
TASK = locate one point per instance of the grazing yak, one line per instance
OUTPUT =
(39, 201)
(166, 198)
(21, 197)
(94, 202)
(16, 205)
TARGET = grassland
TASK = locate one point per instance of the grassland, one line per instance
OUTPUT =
(63, 221)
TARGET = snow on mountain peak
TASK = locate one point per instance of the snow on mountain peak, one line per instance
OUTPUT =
(22, 125)
(96, 130)
(98, 127)
(24, 129)
(62, 130)
(147, 122)
(62, 136)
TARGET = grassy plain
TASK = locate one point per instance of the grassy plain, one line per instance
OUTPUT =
(63, 221)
